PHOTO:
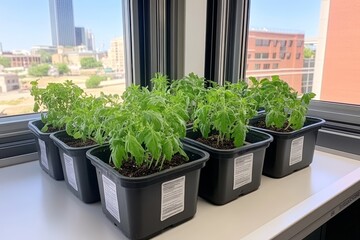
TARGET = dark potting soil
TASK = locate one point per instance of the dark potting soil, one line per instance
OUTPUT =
(52, 129)
(71, 142)
(213, 142)
(130, 169)
(262, 124)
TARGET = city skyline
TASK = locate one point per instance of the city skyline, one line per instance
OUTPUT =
(105, 20)
(33, 27)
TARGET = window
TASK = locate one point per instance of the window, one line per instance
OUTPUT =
(275, 66)
(274, 55)
(261, 55)
(267, 66)
(257, 66)
(262, 42)
(316, 39)
(100, 40)
(258, 42)
(249, 56)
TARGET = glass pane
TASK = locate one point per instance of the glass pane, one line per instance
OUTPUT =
(311, 44)
(56, 40)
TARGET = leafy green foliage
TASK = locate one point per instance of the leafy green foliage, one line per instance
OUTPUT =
(39, 70)
(86, 120)
(5, 62)
(57, 99)
(189, 91)
(308, 53)
(281, 103)
(224, 112)
(63, 68)
(147, 127)
(89, 62)
(94, 81)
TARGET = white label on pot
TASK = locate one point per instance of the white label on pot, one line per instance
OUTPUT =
(296, 150)
(43, 157)
(110, 195)
(70, 171)
(243, 166)
(172, 197)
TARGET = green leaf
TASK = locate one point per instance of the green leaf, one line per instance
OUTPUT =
(134, 148)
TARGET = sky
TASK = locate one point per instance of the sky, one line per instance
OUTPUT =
(24, 23)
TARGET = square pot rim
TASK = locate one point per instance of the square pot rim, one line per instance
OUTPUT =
(55, 137)
(243, 148)
(34, 129)
(152, 178)
(316, 125)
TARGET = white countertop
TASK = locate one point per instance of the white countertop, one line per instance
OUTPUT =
(34, 206)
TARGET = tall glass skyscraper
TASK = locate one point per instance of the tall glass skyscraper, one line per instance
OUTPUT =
(62, 22)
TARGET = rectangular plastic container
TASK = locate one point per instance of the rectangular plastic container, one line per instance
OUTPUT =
(231, 173)
(290, 151)
(79, 173)
(48, 152)
(142, 207)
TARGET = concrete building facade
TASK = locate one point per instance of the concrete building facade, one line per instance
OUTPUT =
(339, 62)
(116, 55)
(9, 82)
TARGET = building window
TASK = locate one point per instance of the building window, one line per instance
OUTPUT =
(275, 43)
(298, 55)
(282, 55)
(283, 43)
(257, 55)
(274, 55)
(258, 42)
(290, 43)
(275, 66)
(249, 55)
(267, 66)
(257, 66)
(288, 56)
(299, 43)
(265, 55)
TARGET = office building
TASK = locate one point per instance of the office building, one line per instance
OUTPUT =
(80, 36)
(22, 60)
(116, 55)
(62, 22)
(90, 40)
(276, 53)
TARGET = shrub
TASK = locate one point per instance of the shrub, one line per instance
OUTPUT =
(94, 81)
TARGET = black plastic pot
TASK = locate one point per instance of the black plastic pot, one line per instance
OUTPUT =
(234, 172)
(141, 207)
(48, 152)
(290, 151)
(80, 174)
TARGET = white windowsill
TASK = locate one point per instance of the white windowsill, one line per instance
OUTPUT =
(34, 206)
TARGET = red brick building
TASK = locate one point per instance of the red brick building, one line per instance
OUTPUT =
(273, 53)
(19, 60)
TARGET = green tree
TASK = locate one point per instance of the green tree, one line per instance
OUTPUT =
(63, 68)
(5, 61)
(308, 53)
(39, 70)
(90, 62)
